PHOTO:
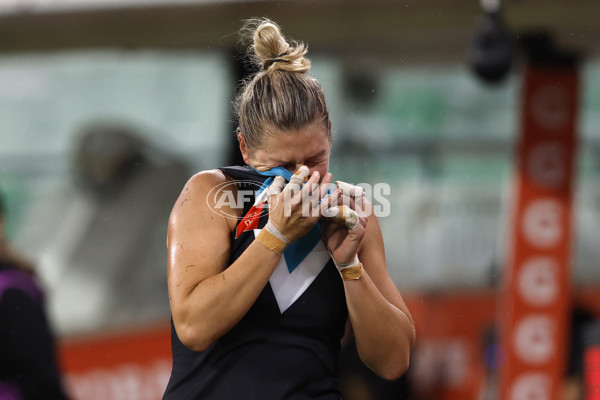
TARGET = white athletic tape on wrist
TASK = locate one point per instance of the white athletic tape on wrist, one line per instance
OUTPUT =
(271, 238)
(275, 232)
(351, 270)
(349, 264)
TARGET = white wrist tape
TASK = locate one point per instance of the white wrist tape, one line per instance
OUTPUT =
(349, 264)
(271, 238)
(350, 271)
(275, 232)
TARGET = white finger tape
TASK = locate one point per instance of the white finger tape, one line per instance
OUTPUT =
(356, 192)
(343, 214)
(277, 186)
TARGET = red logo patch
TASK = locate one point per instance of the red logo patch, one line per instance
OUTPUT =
(250, 220)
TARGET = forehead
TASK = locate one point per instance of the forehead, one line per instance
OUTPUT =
(297, 144)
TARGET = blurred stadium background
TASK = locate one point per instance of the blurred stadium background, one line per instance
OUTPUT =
(107, 107)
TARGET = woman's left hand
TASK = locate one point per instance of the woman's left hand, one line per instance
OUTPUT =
(342, 242)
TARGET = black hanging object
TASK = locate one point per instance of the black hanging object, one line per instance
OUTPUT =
(491, 49)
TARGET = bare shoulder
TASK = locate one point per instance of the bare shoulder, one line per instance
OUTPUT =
(198, 238)
(195, 229)
(195, 203)
(199, 186)
(204, 181)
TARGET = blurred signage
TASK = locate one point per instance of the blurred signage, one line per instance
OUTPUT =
(592, 373)
(591, 362)
(133, 365)
(451, 360)
(535, 307)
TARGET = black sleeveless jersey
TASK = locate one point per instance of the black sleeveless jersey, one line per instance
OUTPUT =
(287, 346)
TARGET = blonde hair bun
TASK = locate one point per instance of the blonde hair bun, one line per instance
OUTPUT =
(272, 51)
(281, 96)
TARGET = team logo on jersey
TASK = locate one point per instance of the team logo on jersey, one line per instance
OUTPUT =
(228, 199)
(251, 219)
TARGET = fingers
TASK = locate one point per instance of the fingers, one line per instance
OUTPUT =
(276, 187)
(302, 193)
(304, 189)
(306, 185)
(313, 192)
(344, 215)
(354, 192)
(298, 179)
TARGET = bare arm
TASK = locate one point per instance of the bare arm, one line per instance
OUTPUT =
(208, 296)
(383, 327)
(206, 299)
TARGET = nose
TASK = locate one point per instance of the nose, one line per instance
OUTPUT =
(294, 167)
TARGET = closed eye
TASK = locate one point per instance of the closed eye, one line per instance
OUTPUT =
(315, 162)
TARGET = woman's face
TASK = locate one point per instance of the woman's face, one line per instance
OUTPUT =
(308, 146)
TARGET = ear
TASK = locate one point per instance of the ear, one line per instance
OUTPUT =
(244, 149)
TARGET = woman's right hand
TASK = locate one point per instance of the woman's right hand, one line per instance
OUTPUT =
(293, 208)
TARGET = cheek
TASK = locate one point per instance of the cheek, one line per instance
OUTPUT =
(257, 160)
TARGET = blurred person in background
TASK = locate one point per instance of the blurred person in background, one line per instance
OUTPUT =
(28, 366)
(261, 314)
(105, 259)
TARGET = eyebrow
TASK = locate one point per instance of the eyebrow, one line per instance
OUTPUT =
(318, 155)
